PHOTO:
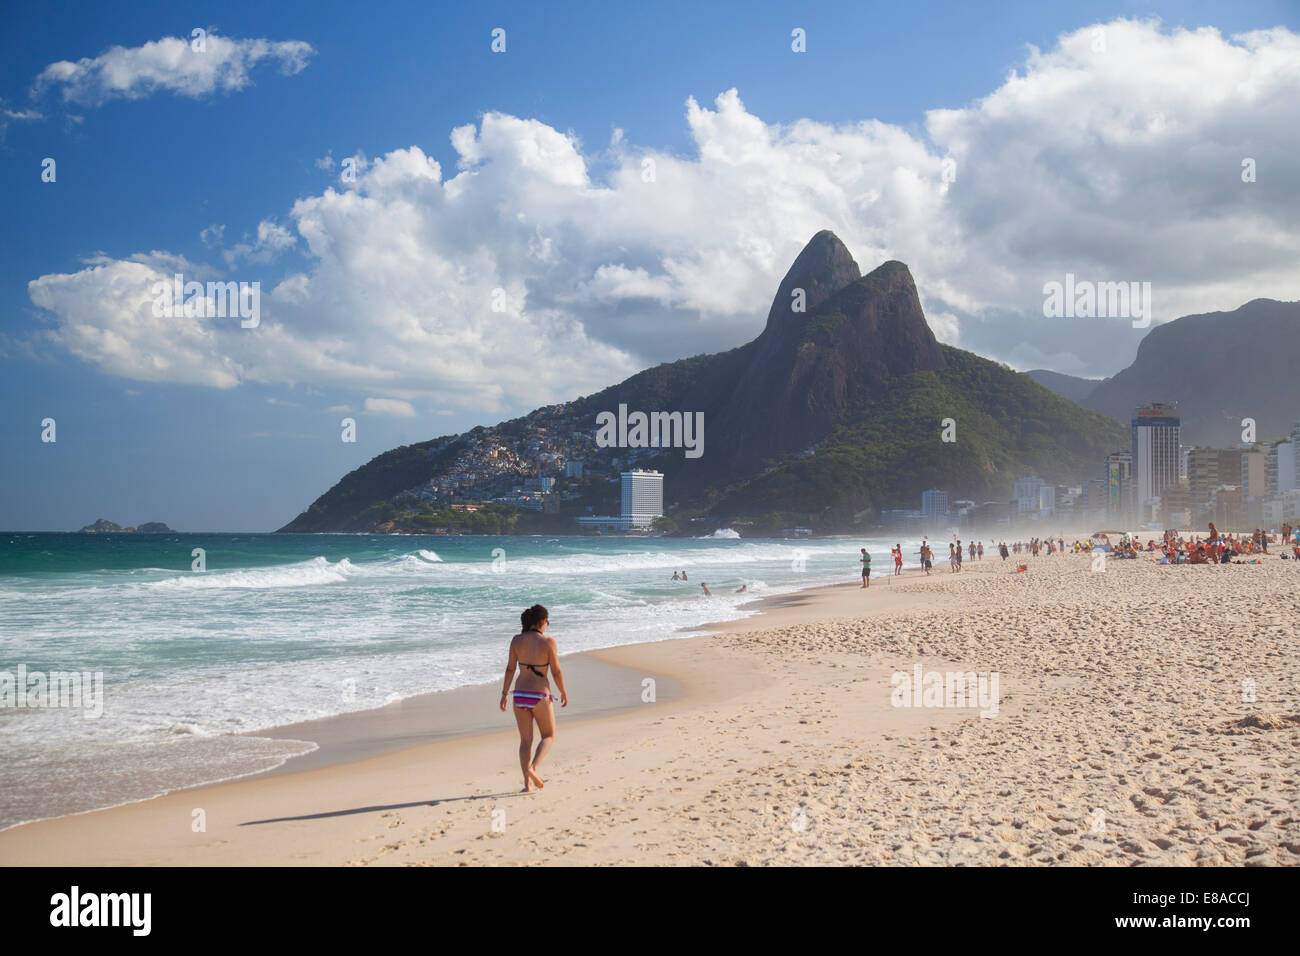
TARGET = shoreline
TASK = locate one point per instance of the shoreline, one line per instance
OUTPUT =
(438, 715)
(785, 746)
(432, 716)
(402, 728)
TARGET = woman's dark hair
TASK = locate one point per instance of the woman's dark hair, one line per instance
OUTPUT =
(533, 616)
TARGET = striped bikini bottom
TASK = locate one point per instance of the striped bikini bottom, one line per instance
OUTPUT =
(528, 699)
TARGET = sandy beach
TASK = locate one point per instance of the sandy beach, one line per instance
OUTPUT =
(1144, 715)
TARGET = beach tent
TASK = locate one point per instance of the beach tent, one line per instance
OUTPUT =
(1100, 540)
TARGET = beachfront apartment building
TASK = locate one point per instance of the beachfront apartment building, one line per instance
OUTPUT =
(934, 504)
(1281, 471)
(1227, 507)
(642, 502)
(642, 497)
(1095, 499)
(1026, 497)
(1254, 471)
(1208, 468)
(1282, 509)
(1155, 429)
(1118, 479)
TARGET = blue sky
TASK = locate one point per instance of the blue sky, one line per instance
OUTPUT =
(150, 172)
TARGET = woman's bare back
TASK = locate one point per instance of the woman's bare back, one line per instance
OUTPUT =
(531, 648)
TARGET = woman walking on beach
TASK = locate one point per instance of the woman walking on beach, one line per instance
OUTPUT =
(535, 656)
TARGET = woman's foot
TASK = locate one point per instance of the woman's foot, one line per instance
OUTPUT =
(533, 779)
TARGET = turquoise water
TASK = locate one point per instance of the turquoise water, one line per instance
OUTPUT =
(284, 628)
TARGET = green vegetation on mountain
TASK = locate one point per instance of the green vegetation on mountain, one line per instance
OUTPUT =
(890, 448)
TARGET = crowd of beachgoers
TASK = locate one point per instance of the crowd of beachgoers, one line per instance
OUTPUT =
(1172, 547)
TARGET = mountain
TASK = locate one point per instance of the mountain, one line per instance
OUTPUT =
(809, 369)
(834, 412)
(1067, 386)
(1219, 367)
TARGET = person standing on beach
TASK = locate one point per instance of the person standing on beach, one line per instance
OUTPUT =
(898, 558)
(865, 561)
(535, 656)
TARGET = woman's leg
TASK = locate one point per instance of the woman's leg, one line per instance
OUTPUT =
(524, 718)
(544, 714)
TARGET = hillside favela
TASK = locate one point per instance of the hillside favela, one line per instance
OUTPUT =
(834, 436)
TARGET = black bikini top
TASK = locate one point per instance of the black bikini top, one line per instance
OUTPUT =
(533, 667)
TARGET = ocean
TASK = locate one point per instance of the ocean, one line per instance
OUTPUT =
(283, 628)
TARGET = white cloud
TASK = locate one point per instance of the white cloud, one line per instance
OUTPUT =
(170, 64)
(271, 240)
(8, 116)
(106, 317)
(390, 406)
(1115, 166)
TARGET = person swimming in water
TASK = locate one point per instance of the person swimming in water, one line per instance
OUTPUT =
(534, 655)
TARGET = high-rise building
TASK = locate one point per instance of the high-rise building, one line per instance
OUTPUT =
(1254, 471)
(1096, 492)
(1281, 468)
(1227, 507)
(934, 504)
(1175, 507)
(1155, 452)
(643, 497)
(1119, 487)
(1203, 474)
(1230, 466)
(1026, 494)
(573, 469)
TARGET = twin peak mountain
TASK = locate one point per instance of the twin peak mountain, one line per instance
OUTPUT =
(830, 415)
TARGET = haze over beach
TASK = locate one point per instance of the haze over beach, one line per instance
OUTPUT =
(536, 440)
